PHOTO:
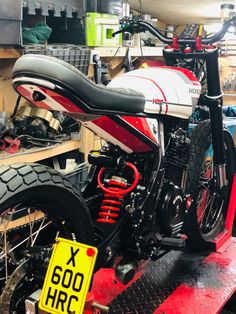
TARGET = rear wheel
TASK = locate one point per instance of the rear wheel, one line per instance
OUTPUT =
(206, 217)
(36, 205)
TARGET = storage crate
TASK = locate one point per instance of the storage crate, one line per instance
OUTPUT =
(77, 56)
(55, 6)
(66, 31)
(99, 30)
(78, 176)
(10, 22)
(10, 34)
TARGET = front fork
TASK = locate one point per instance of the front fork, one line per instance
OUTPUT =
(217, 132)
(210, 54)
(215, 107)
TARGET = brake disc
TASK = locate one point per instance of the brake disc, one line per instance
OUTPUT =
(12, 284)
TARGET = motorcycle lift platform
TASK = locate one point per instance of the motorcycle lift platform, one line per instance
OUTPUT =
(177, 283)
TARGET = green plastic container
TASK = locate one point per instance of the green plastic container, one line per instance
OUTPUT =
(99, 30)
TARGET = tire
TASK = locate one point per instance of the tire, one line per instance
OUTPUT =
(206, 216)
(52, 207)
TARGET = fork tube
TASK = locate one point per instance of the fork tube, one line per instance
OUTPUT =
(215, 107)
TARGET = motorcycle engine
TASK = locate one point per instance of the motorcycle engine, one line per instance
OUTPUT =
(172, 206)
(177, 156)
(171, 210)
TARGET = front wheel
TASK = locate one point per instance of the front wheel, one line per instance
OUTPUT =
(37, 204)
(206, 217)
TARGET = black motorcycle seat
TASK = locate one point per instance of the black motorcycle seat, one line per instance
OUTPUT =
(62, 73)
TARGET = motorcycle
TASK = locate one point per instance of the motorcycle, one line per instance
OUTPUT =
(153, 187)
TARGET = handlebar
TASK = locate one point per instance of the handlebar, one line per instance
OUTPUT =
(136, 25)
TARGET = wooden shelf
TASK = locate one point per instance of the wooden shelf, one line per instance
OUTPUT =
(37, 154)
(122, 51)
(9, 53)
(13, 53)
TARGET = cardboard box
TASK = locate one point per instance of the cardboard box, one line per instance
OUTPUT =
(7, 95)
(227, 66)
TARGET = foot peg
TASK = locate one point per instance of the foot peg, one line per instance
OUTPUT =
(126, 270)
(173, 243)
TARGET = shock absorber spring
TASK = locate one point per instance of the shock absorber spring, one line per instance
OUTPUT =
(114, 195)
(111, 205)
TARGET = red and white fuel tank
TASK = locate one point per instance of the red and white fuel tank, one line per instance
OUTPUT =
(168, 90)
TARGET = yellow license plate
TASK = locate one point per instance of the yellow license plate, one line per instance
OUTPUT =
(68, 277)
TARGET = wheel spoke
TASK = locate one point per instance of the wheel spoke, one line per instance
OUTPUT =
(207, 211)
(218, 213)
(31, 216)
(206, 217)
(5, 249)
(30, 227)
(207, 201)
(210, 212)
(14, 241)
(37, 233)
(207, 205)
(25, 240)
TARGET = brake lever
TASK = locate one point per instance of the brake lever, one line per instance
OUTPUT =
(130, 26)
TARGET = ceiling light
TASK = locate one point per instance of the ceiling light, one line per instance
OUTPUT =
(227, 11)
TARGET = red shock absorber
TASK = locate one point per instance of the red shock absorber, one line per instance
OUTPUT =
(109, 210)
(114, 195)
